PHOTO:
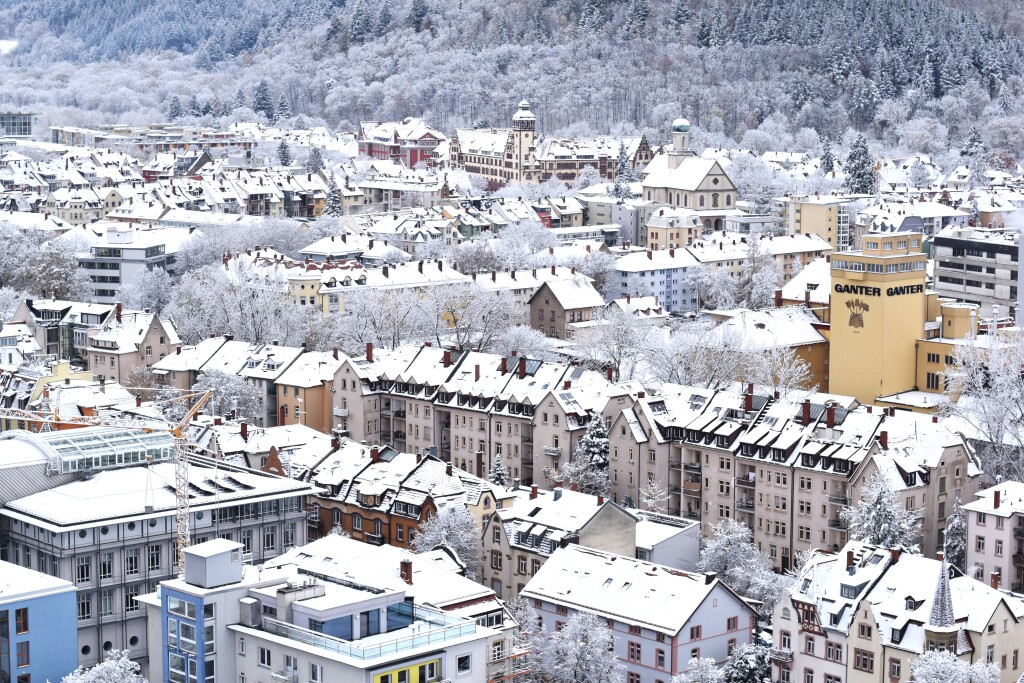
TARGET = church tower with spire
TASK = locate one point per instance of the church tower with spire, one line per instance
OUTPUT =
(941, 631)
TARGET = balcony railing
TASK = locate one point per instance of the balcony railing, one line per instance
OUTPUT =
(284, 677)
(1018, 559)
(781, 654)
(374, 539)
(674, 464)
(1018, 532)
(427, 628)
(745, 483)
(745, 504)
(838, 500)
(341, 412)
(692, 467)
(837, 523)
(553, 452)
(691, 486)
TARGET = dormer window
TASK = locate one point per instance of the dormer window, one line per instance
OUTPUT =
(911, 604)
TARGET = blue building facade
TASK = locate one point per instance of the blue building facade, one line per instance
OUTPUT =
(188, 633)
(38, 629)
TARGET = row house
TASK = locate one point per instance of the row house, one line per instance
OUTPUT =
(785, 468)
(128, 341)
(995, 535)
(381, 496)
(469, 407)
(408, 142)
(659, 618)
(865, 614)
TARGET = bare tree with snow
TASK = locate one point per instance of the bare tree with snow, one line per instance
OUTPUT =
(730, 553)
(116, 668)
(580, 652)
(455, 527)
(944, 667)
(231, 394)
(700, 670)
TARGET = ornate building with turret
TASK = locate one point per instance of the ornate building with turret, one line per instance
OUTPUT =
(518, 154)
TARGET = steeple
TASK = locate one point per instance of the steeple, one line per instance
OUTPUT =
(942, 604)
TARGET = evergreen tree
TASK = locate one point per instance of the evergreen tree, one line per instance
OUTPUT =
(628, 502)
(499, 473)
(955, 541)
(383, 19)
(588, 468)
(681, 14)
(315, 162)
(880, 519)
(975, 218)
(828, 159)
(637, 14)
(418, 11)
(623, 175)
(174, 110)
(216, 106)
(918, 176)
(261, 102)
(284, 110)
(332, 204)
(360, 26)
(861, 176)
(193, 106)
(240, 101)
(284, 153)
(973, 145)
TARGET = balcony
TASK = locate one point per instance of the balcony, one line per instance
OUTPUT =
(386, 412)
(374, 539)
(674, 464)
(674, 489)
(341, 412)
(691, 488)
(745, 482)
(284, 677)
(837, 524)
(781, 654)
(744, 504)
(1018, 559)
(692, 467)
(1018, 532)
(553, 451)
(838, 500)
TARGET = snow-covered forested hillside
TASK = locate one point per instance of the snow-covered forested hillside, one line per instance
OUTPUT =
(913, 74)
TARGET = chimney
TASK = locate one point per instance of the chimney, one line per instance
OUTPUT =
(778, 298)
(895, 553)
(671, 253)
(869, 410)
(476, 373)
(374, 453)
(447, 358)
(566, 385)
(807, 298)
(448, 469)
(830, 415)
(608, 372)
(805, 418)
(335, 443)
(494, 276)
(939, 555)
(218, 421)
(138, 401)
(994, 578)
(748, 399)
(405, 571)
(244, 431)
(522, 367)
(533, 492)
(641, 394)
(369, 351)
(600, 500)
(996, 500)
(849, 559)
(334, 352)
(504, 365)
(883, 439)
(553, 270)
(117, 311)
(627, 298)
(419, 458)
(385, 270)
(709, 578)
(650, 255)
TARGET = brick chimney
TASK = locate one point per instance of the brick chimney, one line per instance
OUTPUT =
(244, 431)
(522, 368)
(849, 559)
(600, 500)
(805, 414)
(994, 579)
(895, 553)
(778, 298)
(504, 365)
(748, 398)
(117, 311)
(369, 351)
(374, 454)
(476, 373)
(447, 358)
(567, 384)
(448, 469)
(405, 571)
(996, 500)
(609, 372)
(883, 439)
(533, 492)
(334, 352)
(830, 415)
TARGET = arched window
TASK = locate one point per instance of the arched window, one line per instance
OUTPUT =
(785, 613)
(686, 200)
(701, 202)
(714, 200)
(728, 200)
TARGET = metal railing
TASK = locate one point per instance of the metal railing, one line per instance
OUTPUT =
(781, 654)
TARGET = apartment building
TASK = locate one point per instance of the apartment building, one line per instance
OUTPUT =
(471, 406)
(227, 621)
(304, 390)
(37, 626)
(120, 254)
(66, 522)
(61, 327)
(978, 266)
(995, 535)
(865, 614)
(785, 467)
(721, 251)
(519, 538)
(558, 305)
(407, 142)
(827, 216)
(663, 272)
(659, 617)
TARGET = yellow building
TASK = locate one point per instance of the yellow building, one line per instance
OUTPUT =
(891, 340)
(877, 314)
(827, 216)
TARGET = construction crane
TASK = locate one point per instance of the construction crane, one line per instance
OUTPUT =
(182, 448)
